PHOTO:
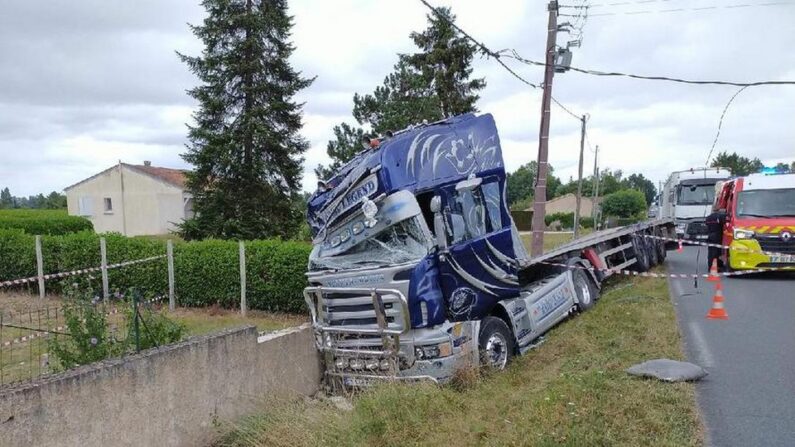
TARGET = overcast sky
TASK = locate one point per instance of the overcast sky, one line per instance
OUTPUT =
(85, 83)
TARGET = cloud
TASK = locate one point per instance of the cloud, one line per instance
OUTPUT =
(86, 83)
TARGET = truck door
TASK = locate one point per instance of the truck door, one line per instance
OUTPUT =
(479, 266)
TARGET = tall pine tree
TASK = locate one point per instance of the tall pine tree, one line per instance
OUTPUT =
(245, 146)
(432, 84)
(445, 63)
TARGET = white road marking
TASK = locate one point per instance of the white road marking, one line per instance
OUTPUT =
(700, 345)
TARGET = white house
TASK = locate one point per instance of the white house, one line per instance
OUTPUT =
(132, 200)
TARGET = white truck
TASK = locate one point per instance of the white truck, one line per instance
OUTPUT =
(687, 198)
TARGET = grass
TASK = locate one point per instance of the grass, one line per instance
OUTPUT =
(28, 359)
(553, 240)
(572, 390)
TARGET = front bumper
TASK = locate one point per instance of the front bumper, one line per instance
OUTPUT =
(389, 343)
(746, 255)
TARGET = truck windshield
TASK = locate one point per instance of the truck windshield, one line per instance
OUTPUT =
(766, 203)
(402, 242)
(700, 194)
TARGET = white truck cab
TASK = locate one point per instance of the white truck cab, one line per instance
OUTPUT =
(687, 198)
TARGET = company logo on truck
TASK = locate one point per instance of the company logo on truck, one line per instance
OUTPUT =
(353, 198)
(462, 301)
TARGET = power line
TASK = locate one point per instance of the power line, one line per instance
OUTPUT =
(483, 48)
(491, 53)
(516, 56)
(720, 123)
(578, 117)
(648, 2)
(690, 9)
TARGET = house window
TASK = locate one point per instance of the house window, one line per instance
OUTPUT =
(85, 206)
(108, 205)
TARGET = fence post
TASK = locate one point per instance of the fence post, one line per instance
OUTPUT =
(170, 255)
(103, 250)
(40, 267)
(243, 278)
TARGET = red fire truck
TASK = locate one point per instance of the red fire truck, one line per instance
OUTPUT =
(757, 214)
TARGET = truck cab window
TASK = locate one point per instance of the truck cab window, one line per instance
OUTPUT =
(491, 195)
(467, 216)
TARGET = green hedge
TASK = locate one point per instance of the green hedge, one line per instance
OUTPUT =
(206, 272)
(50, 222)
(522, 219)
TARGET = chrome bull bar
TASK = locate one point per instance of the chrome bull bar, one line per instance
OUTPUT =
(321, 302)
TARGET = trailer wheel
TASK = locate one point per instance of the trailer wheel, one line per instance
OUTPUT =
(651, 249)
(585, 290)
(495, 343)
(661, 251)
(641, 255)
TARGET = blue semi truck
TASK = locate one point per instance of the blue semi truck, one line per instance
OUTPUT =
(417, 268)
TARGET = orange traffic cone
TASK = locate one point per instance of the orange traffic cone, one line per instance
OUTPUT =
(680, 246)
(713, 272)
(718, 312)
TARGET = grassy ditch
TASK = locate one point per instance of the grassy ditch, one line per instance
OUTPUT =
(572, 390)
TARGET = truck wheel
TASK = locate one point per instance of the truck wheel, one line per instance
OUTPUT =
(585, 290)
(641, 255)
(651, 249)
(495, 342)
(661, 251)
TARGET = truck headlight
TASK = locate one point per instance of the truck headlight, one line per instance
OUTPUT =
(341, 363)
(433, 351)
(681, 227)
(369, 209)
(743, 234)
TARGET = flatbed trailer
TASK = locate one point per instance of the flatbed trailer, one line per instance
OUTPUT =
(417, 269)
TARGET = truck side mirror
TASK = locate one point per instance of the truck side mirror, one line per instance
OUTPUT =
(438, 223)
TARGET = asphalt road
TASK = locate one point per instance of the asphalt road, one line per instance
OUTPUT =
(748, 398)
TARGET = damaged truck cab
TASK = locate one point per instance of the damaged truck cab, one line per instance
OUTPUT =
(417, 268)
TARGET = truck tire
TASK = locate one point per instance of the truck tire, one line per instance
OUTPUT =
(641, 255)
(495, 343)
(651, 249)
(585, 290)
(662, 252)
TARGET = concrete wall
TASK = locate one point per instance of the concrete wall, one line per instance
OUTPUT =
(169, 396)
(149, 206)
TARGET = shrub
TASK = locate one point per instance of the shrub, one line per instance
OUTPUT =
(625, 203)
(91, 338)
(522, 219)
(50, 222)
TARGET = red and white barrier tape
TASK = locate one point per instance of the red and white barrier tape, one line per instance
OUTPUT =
(661, 275)
(36, 334)
(709, 244)
(21, 281)
(39, 333)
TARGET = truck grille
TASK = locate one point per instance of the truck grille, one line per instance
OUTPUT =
(342, 308)
(776, 244)
(696, 228)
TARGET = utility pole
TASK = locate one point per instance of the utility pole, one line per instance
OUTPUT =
(594, 211)
(579, 180)
(540, 193)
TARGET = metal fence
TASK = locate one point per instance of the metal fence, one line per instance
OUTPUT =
(27, 333)
(29, 325)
